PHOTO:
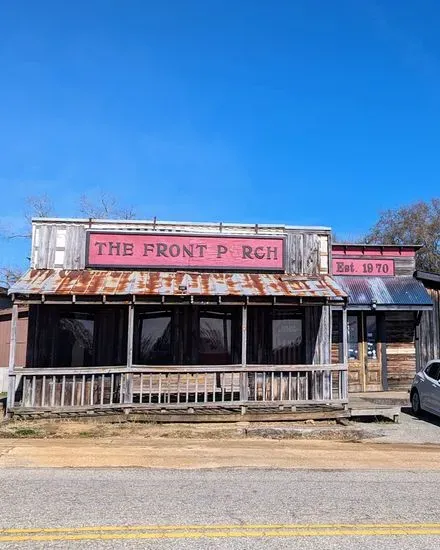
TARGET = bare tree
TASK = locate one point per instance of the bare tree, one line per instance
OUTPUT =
(418, 223)
(9, 275)
(347, 238)
(37, 206)
(107, 206)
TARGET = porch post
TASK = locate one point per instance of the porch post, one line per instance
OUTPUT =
(244, 375)
(12, 349)
(128, 390)
(344, 352)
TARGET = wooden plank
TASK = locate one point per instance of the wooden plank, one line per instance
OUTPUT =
(10, 401)
(139, 415)
(174, 369)
(75, 248)
(128, 397)
(244, 389)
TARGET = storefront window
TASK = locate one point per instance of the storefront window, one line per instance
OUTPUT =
(353, 337)
(78, 336)
(371, 336)
(75, 339)
(154, 338)
(275, 336)
(215, 345)
(183, 335)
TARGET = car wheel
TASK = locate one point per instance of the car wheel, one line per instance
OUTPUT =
(415, 403)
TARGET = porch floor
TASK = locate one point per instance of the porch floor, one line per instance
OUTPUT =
(198, 414)
(378, 404)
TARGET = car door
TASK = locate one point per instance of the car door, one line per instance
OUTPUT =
(430, 396)
(435, 389)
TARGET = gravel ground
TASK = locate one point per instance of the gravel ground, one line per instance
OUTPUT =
(410, 429)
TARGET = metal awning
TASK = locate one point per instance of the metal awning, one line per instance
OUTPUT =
(51, 282)
(405, 293)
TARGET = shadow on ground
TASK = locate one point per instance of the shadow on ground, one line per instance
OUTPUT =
(424, 417)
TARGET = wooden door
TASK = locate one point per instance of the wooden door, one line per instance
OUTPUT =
(355, 353)
(372, 352)
(364, 352)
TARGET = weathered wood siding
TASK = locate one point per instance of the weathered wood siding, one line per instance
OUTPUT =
(428, 331)
(62, 244)
(307, 253)
(336, 337)
(404, 265)
(400, 349)
(318, 323)
(5, 336)
(58, 246)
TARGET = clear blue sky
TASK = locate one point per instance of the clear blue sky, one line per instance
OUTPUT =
(295, 111)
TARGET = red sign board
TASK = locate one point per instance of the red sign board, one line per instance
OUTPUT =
(365, 267)
(176, 251)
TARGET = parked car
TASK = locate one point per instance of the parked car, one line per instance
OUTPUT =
(425, 389)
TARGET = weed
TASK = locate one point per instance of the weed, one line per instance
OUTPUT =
(86, 434)
(26, 432)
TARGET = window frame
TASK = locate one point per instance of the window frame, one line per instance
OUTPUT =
(431, 365)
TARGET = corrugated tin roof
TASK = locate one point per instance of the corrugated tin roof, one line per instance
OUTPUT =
(385, 291)
(98, 282)
(428, 277)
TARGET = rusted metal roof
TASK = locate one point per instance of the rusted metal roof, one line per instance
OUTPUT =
(385, 292)
(98, 282)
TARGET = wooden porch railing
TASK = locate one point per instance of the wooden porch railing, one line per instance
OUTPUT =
(172, 387)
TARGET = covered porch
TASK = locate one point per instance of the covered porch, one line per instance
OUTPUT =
(176, 343)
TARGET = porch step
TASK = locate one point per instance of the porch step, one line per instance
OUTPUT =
(392, 398)
(197, 414)
(362, 407)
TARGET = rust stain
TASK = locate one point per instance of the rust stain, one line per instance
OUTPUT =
(122, 282)
(167, 283)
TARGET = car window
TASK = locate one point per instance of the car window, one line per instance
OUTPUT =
(433, 371)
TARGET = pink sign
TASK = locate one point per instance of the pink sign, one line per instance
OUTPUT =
(166, 250)
(365, 267)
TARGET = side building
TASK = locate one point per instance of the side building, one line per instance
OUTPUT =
(5, 336)
(428, 336)
(386, 306)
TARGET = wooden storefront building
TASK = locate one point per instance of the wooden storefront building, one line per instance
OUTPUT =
(5, 335)
(428, 335)
(386, 305)
(178, 317)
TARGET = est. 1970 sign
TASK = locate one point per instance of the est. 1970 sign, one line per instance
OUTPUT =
(167, 250)
(365, 267)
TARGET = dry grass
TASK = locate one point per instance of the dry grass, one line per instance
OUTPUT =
(96, 429)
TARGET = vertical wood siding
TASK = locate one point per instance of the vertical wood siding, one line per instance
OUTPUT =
(318, 333)
(428, 343)
(401, 351)
(59, 246)
(5, 335)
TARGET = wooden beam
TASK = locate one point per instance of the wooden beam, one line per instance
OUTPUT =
(383, 349)
(128, 395)
(173, 369)
(344, 337)
(244, 376)
(344, 375)
(12, 350)
(244, 336)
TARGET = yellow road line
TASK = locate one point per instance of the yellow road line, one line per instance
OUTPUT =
(198, 532)
(160, 527)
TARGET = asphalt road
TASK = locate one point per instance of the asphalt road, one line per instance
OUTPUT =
(222, 508)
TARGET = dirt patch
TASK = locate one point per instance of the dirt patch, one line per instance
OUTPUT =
(94, 429)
